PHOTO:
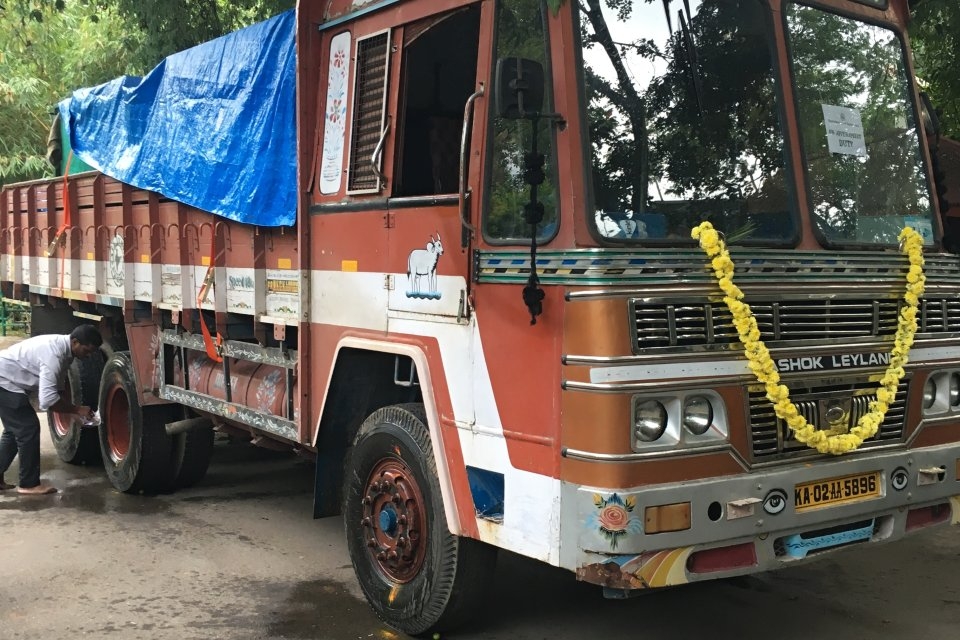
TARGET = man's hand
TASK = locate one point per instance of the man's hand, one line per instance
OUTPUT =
(84, 412)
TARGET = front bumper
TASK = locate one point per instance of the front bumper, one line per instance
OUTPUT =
(730, 532)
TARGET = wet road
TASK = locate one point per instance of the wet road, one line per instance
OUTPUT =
(239, 557)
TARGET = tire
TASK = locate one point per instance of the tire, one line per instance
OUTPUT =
(417, 576)
(135, 447)
(76, 444)
(190, 456)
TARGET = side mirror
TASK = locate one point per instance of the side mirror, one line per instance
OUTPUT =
(519, 85)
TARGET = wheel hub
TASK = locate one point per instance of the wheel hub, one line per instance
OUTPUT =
(62, 423)
(118, 423)
(394, 520)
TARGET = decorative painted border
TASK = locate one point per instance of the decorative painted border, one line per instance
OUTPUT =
(686, 266)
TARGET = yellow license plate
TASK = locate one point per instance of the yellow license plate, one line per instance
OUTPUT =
(833, 491)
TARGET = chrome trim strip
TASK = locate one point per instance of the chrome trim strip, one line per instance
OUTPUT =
(806, 458)
(734, 351)
(931, 422)
(892, 289)
(714, 378)
(590, 456)
(234, 349)
(637, 387)
(231, 411)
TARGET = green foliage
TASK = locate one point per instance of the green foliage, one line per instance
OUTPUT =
(520, 34)
(858, 66)
(935, 34)
(169, 26)
(50, 47)
(44, 54)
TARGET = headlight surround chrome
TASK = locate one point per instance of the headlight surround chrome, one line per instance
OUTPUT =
(657, 420)
(941, 394)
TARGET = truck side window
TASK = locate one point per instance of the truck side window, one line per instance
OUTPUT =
(520, 33)
(439, 74)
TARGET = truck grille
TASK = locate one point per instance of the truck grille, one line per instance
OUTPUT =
(771, 438)
(704, 324)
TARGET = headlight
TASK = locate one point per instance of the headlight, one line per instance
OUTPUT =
(697, 414)
(954, 389)
(649, 420)
(929, 393)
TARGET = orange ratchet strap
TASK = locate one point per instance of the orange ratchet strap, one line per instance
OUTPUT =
(213, 349)
(52, 248)
(61, 232)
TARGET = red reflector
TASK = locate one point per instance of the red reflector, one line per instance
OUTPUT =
(723, 558)
(926, 516)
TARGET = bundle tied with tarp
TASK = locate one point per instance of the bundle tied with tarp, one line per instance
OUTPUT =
(213, 126)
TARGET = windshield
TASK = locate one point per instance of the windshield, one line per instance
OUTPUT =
(860, 139)
(684, 120)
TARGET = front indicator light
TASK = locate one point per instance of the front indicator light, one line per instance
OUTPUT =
(649, 420)
(954, 390)
(663, 518)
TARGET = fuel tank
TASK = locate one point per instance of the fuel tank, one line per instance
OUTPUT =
(261, 387)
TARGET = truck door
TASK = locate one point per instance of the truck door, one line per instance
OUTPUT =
(437, 102)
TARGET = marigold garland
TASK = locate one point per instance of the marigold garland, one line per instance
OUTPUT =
(836, 440)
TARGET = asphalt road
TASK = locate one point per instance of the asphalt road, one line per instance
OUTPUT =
(239, 557)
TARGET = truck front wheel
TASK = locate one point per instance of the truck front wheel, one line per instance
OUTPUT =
(416, 575)
(135, 446)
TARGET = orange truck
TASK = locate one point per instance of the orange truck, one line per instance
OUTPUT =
(486, 316)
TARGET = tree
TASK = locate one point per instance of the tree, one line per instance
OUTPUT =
(624, 96)
(935, 34)
(690, 110)
(169, 26)
(45, 53)
(50, 47)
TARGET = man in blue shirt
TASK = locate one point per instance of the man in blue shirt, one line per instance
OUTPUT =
(37, 366)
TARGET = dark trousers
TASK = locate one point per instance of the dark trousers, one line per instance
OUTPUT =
(21, 435)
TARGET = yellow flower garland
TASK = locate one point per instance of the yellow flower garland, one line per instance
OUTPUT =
(835, 440)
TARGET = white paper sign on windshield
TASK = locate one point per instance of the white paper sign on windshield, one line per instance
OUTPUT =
(844, 130)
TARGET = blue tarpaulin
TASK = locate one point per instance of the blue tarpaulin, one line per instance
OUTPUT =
(213, 126)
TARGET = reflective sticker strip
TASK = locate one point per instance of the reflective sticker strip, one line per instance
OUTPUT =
(797, 547)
